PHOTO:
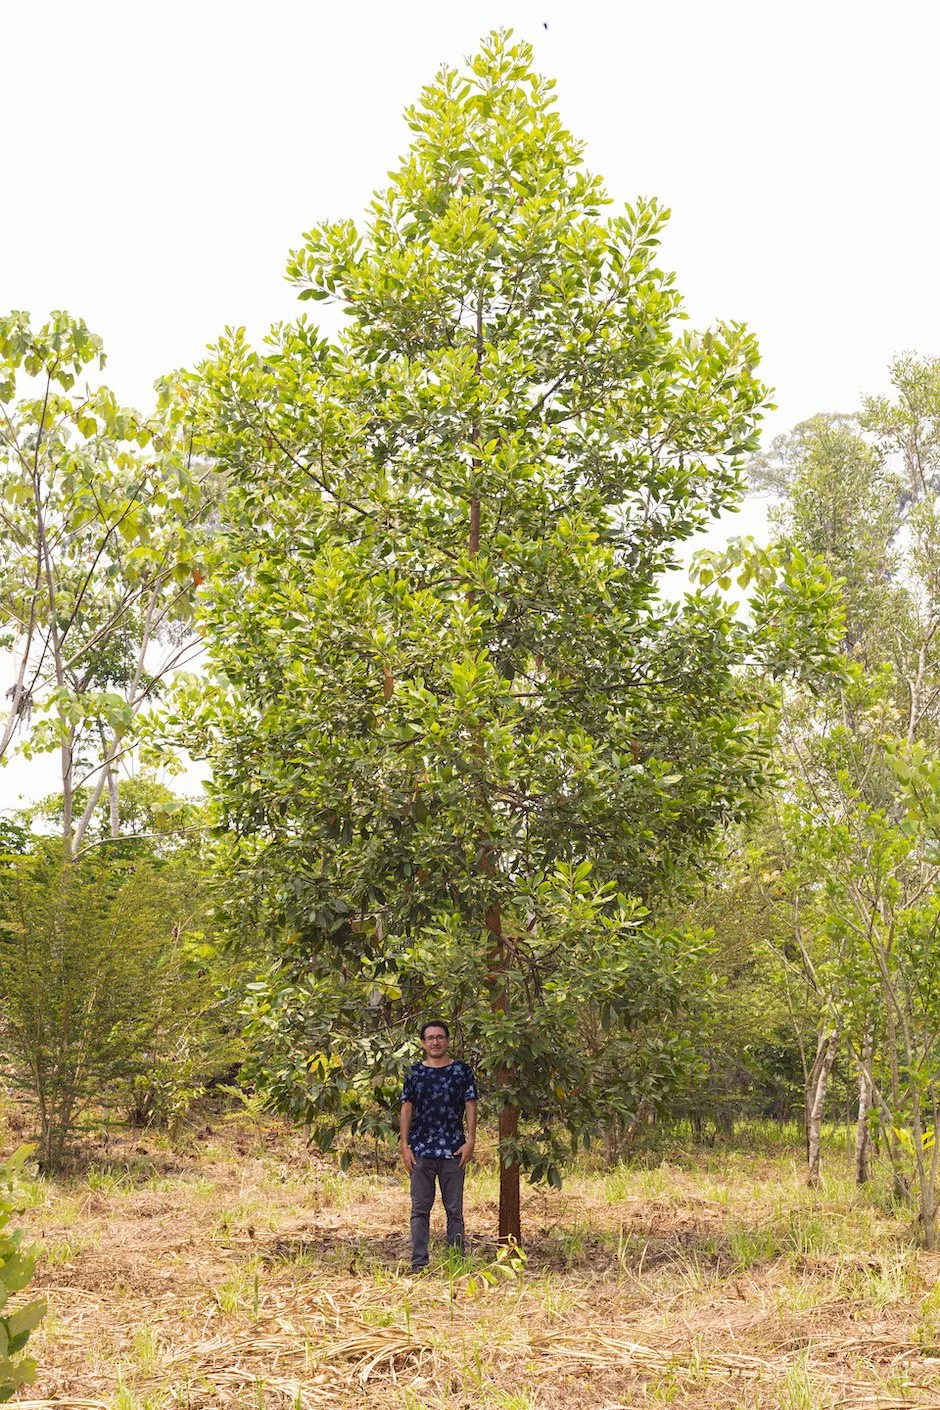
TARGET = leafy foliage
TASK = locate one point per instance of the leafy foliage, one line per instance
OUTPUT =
(16, 1269)
(588, 1033)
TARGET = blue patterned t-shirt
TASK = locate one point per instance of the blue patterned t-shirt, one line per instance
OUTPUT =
(438, 1095)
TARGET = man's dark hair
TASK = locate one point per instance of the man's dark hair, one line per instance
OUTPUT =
(435, 1023)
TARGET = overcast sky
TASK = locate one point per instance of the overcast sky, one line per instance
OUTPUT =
(163, 158)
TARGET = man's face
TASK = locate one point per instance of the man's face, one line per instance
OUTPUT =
(435, 1042)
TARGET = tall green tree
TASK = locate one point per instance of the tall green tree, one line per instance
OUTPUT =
(461, 745)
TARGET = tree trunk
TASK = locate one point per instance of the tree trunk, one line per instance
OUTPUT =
(114, 814)
(926, 1166)
(510, 1214)
(900, 1185)
(929, 1195)
(862, 1133)
(510, 1221)
(816, 1100)
(53, 1134)
(67, 775)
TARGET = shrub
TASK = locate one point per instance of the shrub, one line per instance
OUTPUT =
(94, 983)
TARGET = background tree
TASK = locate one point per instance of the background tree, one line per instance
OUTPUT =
(461, 746)
(101, 512)
(752, 1050)
(854, 884)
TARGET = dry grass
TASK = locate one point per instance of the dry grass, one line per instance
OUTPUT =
(241, 1272)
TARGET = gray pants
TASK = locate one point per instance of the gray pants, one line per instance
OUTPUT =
(450, 1175)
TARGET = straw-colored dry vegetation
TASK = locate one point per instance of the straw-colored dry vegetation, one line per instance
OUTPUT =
(238, 1270)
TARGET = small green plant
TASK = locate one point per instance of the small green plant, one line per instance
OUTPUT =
(654, 1182)
(16, 1269)
(230, 1295)
(552, 1294)
(241, 1291)
(509, 1262)
(147, 1350)
(106, 1180)
(165, 1095)
(797, 1391)
(751, 1247)
(806, 1234)
(696, 1273)
(377, 1316)
(619, 1185)
(63, 1251)
(890, 1279)
(665, 1388)
(570, 1244)
(630, 1251)
(126, 1397)
(249, 1107)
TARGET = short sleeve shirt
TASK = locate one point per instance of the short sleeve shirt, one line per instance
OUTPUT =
(438, 1095)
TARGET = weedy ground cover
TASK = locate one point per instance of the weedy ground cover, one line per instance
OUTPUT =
(241, 1271)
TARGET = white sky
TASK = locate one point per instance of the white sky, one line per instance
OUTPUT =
(163, 159)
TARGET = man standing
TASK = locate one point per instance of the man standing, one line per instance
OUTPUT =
(437, 1093)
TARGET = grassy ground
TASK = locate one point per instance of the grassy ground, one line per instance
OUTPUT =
(239, 1271)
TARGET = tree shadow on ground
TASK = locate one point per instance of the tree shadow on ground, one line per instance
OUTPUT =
(556, 1250)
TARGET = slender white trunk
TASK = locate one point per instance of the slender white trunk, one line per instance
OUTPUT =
(114, 747)
(816, 1101)
(862, 1133)
(115, 818)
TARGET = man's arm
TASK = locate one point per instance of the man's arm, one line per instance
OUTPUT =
(404, 1128)
(465, 1152)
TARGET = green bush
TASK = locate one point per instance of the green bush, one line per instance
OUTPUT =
(16, 1269)
(196, 1040)
(100, 995)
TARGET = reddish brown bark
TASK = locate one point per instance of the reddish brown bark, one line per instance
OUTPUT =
(510, 1215)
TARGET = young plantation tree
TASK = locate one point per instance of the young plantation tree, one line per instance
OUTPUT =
(100, 559)
(460, 743)
(107, 989)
